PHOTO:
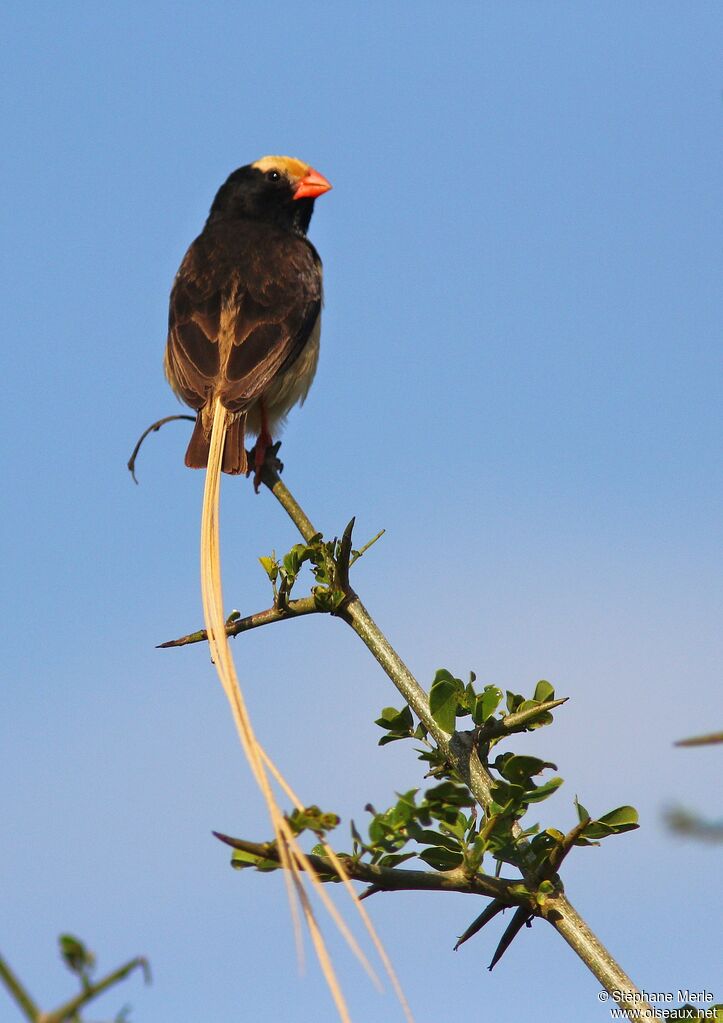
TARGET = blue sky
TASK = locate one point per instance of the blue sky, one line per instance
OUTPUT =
(520, 381)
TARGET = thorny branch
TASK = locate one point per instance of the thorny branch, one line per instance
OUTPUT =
(392, 879)
(459, 749)
(560, 913)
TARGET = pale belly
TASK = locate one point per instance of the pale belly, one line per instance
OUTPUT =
(288, 389)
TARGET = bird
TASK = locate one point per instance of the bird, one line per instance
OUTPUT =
(244, 316)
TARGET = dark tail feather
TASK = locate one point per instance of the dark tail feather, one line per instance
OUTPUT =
(234, 452)
(197, 451)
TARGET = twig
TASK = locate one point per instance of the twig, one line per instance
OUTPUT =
(293, 609)
(701, 740)
(559, 853)
(516, 722)
(362, 550)
(71, 1007)
(153, 428)
(24, 1002)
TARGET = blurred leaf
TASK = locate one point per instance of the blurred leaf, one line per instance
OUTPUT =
(79, 959)
(394, 859)
(241, 860)
(436, 838)
(449, 792)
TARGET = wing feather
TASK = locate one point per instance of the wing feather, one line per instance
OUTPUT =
(243, 305)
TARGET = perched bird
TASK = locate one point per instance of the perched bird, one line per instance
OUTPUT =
(243, 332)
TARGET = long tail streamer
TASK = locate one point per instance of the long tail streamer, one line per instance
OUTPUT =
(293, 859)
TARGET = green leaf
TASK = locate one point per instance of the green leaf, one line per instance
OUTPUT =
(441, 859)
(394, 859)
(544, 692)
(513, 701)
(582, 814)
(386, 739)
(399, 721)
(541, 792)
(271, 568)
(406, 808)
(443, 698)
(241, 859)
(487, 703)
(449, 792)
(520, 769)
(376, 831)
(624, 818)
(508, 797)
(543, 892)
(435, 838)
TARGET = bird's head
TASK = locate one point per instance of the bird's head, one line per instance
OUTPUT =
(277, 189)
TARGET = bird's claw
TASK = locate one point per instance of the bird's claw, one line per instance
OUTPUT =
(263, 456)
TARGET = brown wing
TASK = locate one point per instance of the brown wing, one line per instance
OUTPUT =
(192, 359)
(243, 305)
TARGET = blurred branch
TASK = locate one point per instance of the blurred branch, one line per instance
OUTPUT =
(683, 822)
(23, 1000)
(71, 1007)
(68, 1010)
(701, 740)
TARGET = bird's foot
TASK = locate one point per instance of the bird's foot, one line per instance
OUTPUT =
(264, 456)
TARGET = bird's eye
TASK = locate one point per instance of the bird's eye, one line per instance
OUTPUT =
(273, 175)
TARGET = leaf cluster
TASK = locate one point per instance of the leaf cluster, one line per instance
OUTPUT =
(458, 839)
(321, 556)
(329, 560)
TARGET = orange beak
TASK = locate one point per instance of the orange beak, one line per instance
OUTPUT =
(312, 185)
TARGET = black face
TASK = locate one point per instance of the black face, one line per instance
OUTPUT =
(252, 194)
